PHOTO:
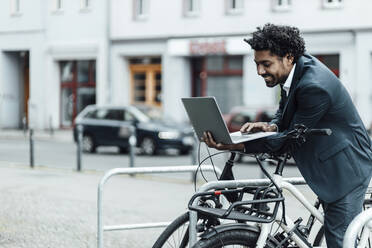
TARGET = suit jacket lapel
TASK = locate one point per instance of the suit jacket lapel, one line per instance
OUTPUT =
(287, 113)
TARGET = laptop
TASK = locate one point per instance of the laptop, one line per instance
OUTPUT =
(205, 115)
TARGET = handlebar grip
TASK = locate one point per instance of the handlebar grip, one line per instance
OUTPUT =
(324, 131)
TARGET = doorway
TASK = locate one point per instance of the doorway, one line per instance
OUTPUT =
(15, 90)
(146, 81)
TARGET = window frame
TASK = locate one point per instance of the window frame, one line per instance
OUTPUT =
(285, 6)
(196, 8)
(85, 5)
(74, 85)
(334, 4)
(57, 7)
(137, 16)
(234, 11)
(15, 7)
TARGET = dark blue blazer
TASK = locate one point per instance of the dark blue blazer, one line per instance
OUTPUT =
(331, 165)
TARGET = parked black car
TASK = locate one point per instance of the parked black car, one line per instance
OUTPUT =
(110, 126)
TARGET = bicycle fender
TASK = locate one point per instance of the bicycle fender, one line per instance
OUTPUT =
(228, 227)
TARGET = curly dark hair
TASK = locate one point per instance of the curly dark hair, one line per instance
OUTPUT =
(280, 40)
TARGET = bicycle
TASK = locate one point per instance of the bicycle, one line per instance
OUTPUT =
(262, 208)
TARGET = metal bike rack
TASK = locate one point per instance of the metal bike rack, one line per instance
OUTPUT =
(139, 170)
(231, 184)
(364, 219)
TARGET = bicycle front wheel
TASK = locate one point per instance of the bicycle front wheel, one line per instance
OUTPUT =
(234, 238)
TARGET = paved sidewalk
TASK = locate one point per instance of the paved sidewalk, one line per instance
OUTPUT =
(57, 208)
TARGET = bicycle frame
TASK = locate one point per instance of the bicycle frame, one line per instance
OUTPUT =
(284, 182)
(289, 225)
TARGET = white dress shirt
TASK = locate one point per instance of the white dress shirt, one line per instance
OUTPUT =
(288, 82)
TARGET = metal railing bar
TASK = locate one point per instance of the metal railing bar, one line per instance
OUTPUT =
(139, 170)
(136, 226)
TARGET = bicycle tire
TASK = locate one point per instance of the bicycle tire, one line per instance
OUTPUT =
(247, 239)
(181, 239)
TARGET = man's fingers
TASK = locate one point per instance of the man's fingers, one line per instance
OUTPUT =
(243, 129)
(211, 140)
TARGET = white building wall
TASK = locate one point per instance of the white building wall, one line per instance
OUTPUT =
(29, 19)
(363, 76)
(75, 34)
(166, 19)
(176, 84)
(50, 35)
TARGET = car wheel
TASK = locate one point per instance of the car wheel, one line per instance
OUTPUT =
(88, 144)
(185, 151)
(148, 146)
(123, 150)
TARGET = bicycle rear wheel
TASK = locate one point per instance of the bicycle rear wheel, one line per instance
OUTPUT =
(176, 235)
(233, 238)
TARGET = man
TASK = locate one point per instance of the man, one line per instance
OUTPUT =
(337, 167)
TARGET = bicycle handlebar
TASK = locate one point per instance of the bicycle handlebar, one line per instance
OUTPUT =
(324, 131)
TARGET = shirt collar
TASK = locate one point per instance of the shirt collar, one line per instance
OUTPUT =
(288, 82)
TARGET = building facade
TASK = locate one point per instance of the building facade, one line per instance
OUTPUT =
(53, 60)
(58, 56)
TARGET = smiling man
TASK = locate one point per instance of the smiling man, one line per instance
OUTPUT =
(338, 167)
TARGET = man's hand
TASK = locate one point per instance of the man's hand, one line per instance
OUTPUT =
(208, 139)
(255, 127)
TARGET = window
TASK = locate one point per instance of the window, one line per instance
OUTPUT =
(234, 6)
(85, 4)
(146, 81)
(191, 7)
(281, 5)
(57, 5)
(332, 61)
(140, 9)
(78, 88)
(15, 7)
(332, 3)
(219, 76)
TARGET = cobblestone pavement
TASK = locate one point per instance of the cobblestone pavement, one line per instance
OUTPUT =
(44, 207)
(57, 208)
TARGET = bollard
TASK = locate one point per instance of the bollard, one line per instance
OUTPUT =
(194, 155)
(24, 125)
(132, 145)
(31, 147)
(79, 129)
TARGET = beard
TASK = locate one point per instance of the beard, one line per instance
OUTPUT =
(272, 81)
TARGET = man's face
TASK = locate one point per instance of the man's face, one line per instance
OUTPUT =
(272, 68)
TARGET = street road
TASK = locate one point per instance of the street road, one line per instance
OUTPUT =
(57, 154)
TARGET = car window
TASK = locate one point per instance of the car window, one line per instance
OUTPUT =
(91, 114)
(115, 114)
(129, 116)
(101, 114)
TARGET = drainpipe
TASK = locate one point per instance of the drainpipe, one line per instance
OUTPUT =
(108, 52)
